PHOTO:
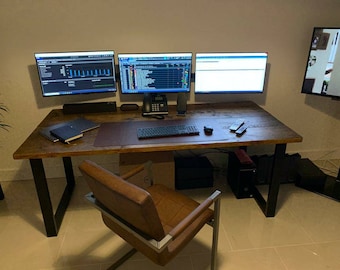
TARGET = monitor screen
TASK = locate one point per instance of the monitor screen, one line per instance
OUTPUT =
(155, 72)
(323, 63)
(230, 72)
(70, 73)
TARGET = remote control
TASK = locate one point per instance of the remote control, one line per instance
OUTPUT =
(236, 125)
(241, 130)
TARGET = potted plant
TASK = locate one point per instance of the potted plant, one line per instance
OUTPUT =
(3, 125)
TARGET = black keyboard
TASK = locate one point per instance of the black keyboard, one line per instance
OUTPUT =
(167, 131)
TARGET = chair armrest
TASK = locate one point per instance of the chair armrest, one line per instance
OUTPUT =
(158, 246)
(194, 214)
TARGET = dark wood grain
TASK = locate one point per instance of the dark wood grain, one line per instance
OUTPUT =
(263, 128)
(118, 134)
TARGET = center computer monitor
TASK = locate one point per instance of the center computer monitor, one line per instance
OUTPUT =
(243, 72)
(155, 73)
(70, 73)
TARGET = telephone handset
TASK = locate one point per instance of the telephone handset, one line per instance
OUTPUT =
(155, 105)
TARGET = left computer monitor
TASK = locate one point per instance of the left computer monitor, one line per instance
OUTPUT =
(155, 73)
(71, 73)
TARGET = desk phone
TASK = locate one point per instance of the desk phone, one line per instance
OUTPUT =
(155, 105)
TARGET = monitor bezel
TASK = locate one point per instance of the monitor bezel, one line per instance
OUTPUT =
(245, 91)
(156, 54)
(79, 92)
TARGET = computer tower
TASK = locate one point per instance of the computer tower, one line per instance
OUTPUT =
(241, 174)
(264, 166)
(193, 172)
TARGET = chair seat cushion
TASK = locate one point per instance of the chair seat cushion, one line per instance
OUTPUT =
(173, 207)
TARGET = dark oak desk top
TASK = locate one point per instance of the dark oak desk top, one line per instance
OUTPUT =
(118, 134)
(263, 128)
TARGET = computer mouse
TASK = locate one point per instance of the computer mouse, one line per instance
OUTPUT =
(208, 130)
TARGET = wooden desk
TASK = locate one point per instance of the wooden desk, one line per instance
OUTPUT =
(263, 129)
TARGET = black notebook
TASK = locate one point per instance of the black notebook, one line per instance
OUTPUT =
(81, 124)
(66, 133)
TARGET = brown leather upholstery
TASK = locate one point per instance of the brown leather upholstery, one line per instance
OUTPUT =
(155, 211)
(131, 203)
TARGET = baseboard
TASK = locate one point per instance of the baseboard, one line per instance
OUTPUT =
(54, 167)
(321, 154)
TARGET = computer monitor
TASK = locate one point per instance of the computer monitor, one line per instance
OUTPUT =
(71, 73)
(155, 73)
(242, 72)
(323, 63)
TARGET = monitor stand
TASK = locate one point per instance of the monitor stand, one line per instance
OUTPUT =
(95, 107)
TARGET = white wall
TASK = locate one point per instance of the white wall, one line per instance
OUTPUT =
(282, 28)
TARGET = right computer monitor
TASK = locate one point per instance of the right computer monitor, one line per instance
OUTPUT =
(233, 72)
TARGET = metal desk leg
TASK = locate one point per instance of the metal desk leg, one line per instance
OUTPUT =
(274, 185)
(66, 197)
(268, 207)
(52, 222)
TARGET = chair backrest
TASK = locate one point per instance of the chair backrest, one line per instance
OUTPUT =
(129, 202)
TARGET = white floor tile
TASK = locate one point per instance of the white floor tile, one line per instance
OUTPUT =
(304, 234)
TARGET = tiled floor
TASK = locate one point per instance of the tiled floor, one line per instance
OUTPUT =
(305, 234)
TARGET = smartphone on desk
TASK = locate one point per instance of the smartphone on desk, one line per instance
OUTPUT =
(155, 104)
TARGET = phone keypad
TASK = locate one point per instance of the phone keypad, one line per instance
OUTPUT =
(156, 107)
